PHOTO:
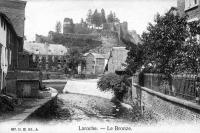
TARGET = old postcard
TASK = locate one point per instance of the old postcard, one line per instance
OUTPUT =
(99, 66)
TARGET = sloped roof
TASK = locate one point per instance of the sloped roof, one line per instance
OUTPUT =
(45, 49)
(96, 55)
(8, 21)
(14, 10)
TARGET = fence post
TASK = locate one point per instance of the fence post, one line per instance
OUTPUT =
(197, 88)
(141, 78)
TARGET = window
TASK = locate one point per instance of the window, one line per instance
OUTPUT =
(40, 59)
(6, 57)
(34, 58)
(2, 22)
(4, 26)
(191, 3)
(9, 56)
(53, 58)
(47, 59)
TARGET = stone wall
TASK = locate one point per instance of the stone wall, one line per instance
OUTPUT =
(109, 40)
(81, 36)
(100, 64)
(117, 58)
(23, 83)
(164, 107)
(90, 62)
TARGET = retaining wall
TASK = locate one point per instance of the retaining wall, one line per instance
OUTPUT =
(165, 106)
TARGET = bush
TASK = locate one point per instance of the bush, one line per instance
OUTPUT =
(113, 82)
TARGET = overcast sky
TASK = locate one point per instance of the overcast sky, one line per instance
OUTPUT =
(41, 15)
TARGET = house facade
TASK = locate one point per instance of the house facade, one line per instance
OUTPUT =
(117, 58)
(16, 80)
(190, 8)
(47, 57)
(9, 43)
(95, 63)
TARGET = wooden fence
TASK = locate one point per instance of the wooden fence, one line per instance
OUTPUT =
(182, 86)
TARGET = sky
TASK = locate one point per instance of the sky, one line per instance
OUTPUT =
(42, 15)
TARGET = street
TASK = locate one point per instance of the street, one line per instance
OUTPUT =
(83, 101)
(88, 87)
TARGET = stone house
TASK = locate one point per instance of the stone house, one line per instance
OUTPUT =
(9, 42)
(189, 7)
(117, 58)
(15, 80)
(47, 57)
(95, 63)
(15, 11)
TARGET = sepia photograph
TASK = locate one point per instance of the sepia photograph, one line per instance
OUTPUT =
(99, 66)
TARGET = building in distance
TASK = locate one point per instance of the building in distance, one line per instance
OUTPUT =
(95, 63)
(47, 57)
(117, 58)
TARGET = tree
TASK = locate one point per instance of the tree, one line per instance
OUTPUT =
(96, 18)
(170, 46)
(135, 57)
(103, 16)
(110, 17)
(58, 27)
(89, 17)
(115, 18)
(164, 41)
(74, 59)
(82, 21)
(191, 50)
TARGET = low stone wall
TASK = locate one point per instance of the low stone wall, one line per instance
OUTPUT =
(20, 82)
(164, 106)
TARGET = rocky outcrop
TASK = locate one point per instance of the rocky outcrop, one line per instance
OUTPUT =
(98, 41)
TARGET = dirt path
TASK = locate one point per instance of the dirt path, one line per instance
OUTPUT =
(79, 107)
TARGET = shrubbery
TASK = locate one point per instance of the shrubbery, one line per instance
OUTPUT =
(113, 82)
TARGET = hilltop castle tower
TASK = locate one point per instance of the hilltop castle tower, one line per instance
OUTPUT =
(68, 26)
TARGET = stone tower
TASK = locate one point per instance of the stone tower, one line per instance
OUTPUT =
(68, 26)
